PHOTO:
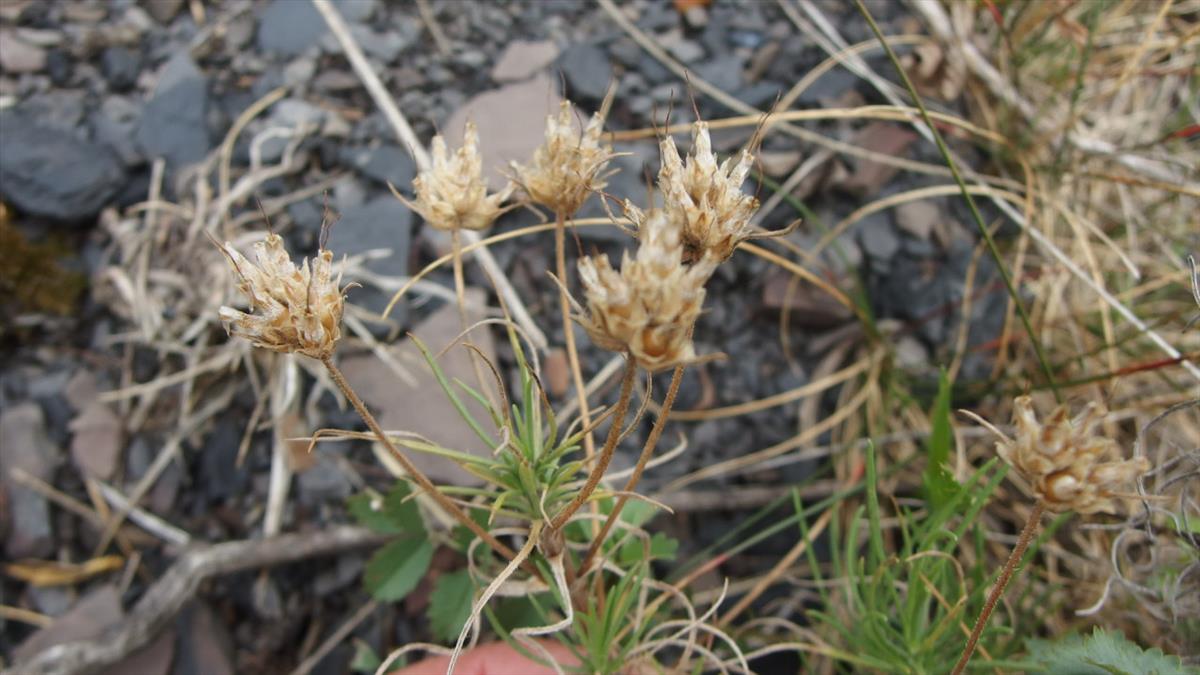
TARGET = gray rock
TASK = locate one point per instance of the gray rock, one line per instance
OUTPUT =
(917, 218)
(61, 109)
(96, 444)
(174, 123)
(290, 28)
(385, 46)
(877, 238)
(384, 163)
(299, 72)
(523, 59)
(587, 70)
(18, 56)
(115, 126)
(87, 620)
(357, 10)
(382, 223)
(348, 193)
(686, 50)
(163, 10)
(723, 72)
(51, 174)
(120, 67)
(324, 481)
(24, 445)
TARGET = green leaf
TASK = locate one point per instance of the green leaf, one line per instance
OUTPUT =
(940, 485)
(450, 604)
(662, 547)
(397, 568)
(365, 658)
(1102, 653)
(391, 514)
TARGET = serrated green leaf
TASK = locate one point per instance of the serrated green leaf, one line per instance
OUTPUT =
(662, 547)
(397, 568)
(450, 604)
(390, 514)
(1102, 653)
(365, 658)
(940, 485)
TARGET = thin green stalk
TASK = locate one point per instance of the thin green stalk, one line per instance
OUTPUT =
(962, 185)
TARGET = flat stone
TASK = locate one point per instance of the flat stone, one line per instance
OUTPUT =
(18, 56)
(121, 67)
(174, 123)
(153, 659)
(24, 445)
(917, 218)
(523, 59)
(115, 126)
(87, 620)
(885, 138)
(205, 646)
(163, 10)
(289, 28)
(97, 441)
(587, 70)
(511, 122)
(382, 223)
(878, 239)
(48, 173)
(423, 408)
(385, 163)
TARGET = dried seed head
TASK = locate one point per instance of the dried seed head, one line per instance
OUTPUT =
(647, 308)
(706, 198)
(453, 194)
(568, 166)
(292, 309)
(1069, 467)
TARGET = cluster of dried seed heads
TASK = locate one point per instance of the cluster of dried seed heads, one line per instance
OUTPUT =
(649, 307)
(705, 198)
(453, 194)
(1068, 465)
(292, 309)
(569, 165)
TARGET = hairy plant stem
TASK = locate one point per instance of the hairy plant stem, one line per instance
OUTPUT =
(460, 294)
(1014, 559)
(417, 475)
(656, 431)
(606, 453)
(564, 303)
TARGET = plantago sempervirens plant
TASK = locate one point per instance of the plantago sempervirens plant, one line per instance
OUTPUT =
(569, 165)
(452, 195)
(1068, 465)
(1070, 468)
(292, 309)
(300, 310)
(706, 198)
(648, 308)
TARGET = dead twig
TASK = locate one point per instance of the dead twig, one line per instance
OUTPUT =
(178, 586)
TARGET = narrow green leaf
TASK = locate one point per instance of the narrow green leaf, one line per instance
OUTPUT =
(397, 568)
(940, 485)
(450, 604)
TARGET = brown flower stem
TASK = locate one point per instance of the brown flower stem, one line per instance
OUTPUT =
(656, 431)
(606, 454)
(416, 474)
(998, 589)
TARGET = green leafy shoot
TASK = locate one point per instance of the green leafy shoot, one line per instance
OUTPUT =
(940, 485)
(1102, 653)
(450, 604)
(396, 568)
